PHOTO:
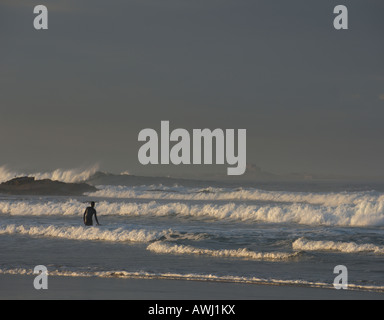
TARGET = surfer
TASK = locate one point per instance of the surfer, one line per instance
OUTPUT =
(89, 213)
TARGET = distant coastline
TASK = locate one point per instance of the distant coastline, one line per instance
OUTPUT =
(78, 183)
(31, 186)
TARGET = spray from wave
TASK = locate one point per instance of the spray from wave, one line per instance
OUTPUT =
(63, 175)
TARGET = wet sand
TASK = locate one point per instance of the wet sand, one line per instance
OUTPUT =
(20, 287)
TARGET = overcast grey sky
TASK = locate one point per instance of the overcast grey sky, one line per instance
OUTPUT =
(310, 97)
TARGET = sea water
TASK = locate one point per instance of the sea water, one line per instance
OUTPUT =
(281, 234)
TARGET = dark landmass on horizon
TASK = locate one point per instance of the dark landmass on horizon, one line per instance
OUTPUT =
(30, 186)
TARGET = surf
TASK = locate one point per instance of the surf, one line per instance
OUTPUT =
(122, 274)
(241, 253)
(362, 214)
(303, 244)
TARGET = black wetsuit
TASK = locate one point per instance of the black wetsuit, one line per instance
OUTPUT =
(88, 214)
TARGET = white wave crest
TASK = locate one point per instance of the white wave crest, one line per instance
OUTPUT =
(346, 247)
(37, 208)
(251, 194)
(86, 233)
(63, 175)
(6, 174)
(243, 253)
(363, 214)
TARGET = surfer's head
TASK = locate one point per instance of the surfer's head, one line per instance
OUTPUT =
(92, 204)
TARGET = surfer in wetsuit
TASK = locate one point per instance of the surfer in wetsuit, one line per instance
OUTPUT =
(88, 214)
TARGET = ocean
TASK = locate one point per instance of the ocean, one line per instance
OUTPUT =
(271, 233)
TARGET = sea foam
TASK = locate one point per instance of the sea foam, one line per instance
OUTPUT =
(362, 214)
(303, 244)
(101, 233)
(238, 194)
(86, 233)
(242, 253)
(189, 277)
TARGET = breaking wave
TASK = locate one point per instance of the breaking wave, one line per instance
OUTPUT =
(239, 194)
(361, 214)
(88, 233)
(37, 208)
(346, 247)
(63, 175)
(161, 247)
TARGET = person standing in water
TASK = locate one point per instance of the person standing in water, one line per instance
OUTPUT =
(89, 213)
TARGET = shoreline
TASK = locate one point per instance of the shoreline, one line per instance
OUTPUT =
(20, 287)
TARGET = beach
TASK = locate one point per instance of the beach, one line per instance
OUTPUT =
(18, 287)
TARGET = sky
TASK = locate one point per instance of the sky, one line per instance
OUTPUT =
(78, 94)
